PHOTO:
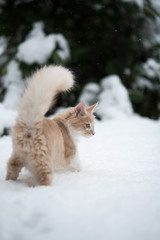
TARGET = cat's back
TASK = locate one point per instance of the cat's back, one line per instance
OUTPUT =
(51, 129)
(53, 136)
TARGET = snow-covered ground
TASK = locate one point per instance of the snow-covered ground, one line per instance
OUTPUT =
(115, 197)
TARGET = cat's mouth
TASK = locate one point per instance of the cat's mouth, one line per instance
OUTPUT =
(92, 132)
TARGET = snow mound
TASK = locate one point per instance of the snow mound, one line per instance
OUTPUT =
(7, 119)
(90, 94)
(38, 47)
(14, 84)
(113, 100)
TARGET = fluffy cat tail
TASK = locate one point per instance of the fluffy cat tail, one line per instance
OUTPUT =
(41, 89)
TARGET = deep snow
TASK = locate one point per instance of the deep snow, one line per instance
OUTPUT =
(115, 196)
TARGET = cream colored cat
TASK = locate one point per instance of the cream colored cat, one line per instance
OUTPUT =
(39, 143)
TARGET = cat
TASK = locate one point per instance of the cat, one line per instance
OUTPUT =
(40, 144)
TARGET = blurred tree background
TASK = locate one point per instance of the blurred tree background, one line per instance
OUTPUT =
(104, 37)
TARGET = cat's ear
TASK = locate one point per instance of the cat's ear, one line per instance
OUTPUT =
(80, 109)
(91, 109)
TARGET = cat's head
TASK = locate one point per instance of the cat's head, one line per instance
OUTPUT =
(82, 120)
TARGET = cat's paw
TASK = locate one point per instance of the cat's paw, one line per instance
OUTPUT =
(74, 169)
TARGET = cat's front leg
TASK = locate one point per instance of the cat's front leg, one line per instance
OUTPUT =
(75, 164)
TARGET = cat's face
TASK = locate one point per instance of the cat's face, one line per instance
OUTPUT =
(82, 120)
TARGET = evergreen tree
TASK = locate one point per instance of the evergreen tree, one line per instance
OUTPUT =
(105, 37)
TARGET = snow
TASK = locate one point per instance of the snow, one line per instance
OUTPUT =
(142, 83)
(111, 95)
(14, 84)
(156, 3)
(7, 119)
(90, 93)
(151, 68)
(116, 196)
(2, 2)
(37, 48)
(3, 44)
(152, 27)
(113, 99)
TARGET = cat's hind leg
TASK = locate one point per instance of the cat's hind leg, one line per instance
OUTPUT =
(14, 166)
(43, 169)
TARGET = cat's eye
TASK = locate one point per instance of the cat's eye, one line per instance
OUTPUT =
(88, 126)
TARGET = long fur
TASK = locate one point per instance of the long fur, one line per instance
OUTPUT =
(40, 92)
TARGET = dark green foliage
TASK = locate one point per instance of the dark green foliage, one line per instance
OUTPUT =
(6, 132)
(105, 37)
